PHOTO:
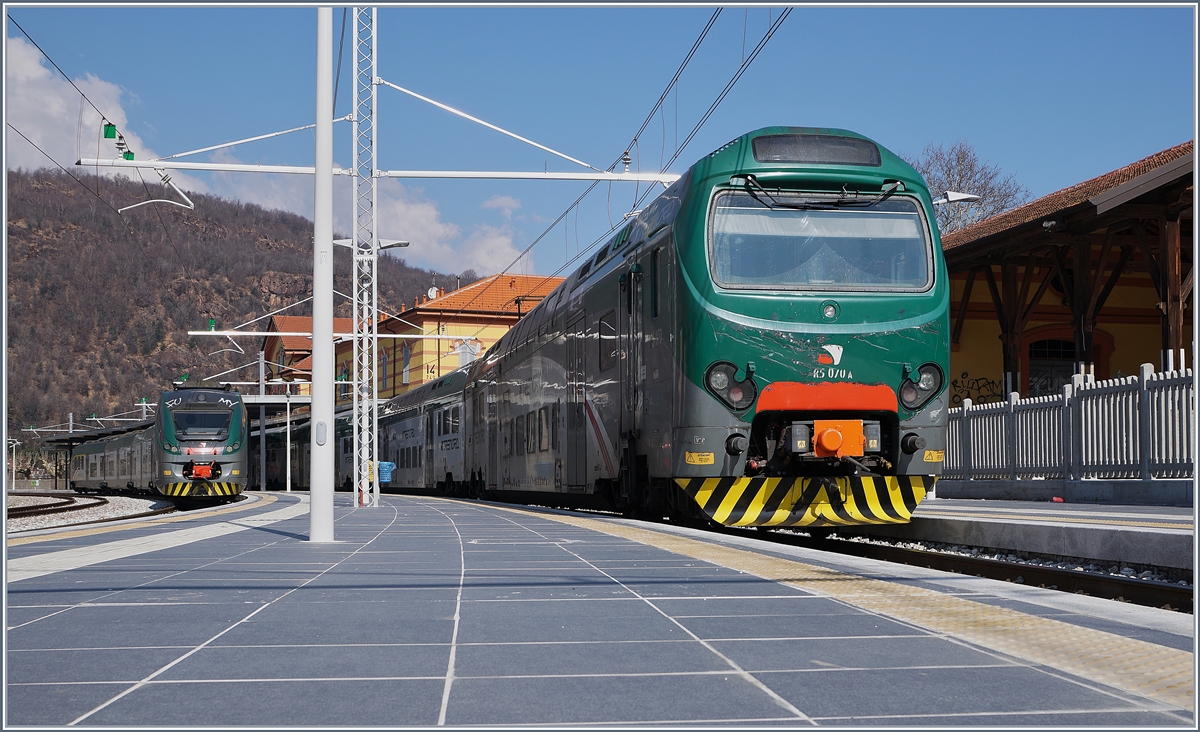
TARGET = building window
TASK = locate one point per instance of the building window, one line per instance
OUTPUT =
(383, 368)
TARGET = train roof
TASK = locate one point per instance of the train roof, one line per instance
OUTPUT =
(78, 438)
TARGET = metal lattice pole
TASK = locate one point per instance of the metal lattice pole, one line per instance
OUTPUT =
(366, 249)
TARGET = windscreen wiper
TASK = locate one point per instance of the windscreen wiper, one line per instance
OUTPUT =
(818, 204)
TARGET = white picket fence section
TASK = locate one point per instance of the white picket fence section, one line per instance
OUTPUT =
(1136, 427)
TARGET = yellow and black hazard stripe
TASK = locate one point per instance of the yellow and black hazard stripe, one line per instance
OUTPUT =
(809, 501)
(206, 488)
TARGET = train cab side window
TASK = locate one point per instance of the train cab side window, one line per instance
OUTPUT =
(608, 340)
(454, 421)
(521, 437)
(654, 283)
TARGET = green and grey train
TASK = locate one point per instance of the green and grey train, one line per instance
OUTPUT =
(194, 449)
(765, 344)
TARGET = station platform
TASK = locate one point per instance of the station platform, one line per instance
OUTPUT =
(430, 611)
(1150, 536)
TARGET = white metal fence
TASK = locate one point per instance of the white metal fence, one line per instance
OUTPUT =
(1136, 427)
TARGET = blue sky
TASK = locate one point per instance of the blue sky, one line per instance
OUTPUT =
(1052, 95)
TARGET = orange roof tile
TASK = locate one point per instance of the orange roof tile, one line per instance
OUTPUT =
(497, 295)
(302, 324)
(1062, 200)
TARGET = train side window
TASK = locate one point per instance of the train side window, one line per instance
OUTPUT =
(554, 426)
(521, 437)
(507, 430)
(654, 283)
(454, 421)
(608, 340)
(543, 429)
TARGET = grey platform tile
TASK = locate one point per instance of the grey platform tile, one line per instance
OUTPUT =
(1084, 718)
(75, 665)
(935, 691)
(830, 653)
(608, 657)
(798, 605)
(264, 663)
(564, 621)
(731, 584)
(843, 622)
(334, 628)
(351, 592)
(56, 705)
(126, 626)
(509, 587)
(611, 699)
(278, 703)
(22, 615)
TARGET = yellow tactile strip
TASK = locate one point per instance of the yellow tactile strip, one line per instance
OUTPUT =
(1150, 670)
(263, 500)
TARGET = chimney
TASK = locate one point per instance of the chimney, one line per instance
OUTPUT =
(441, 291)
(416, 302)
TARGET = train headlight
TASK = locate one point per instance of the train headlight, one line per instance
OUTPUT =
(927, 383)
(233, 448)
(723, 384)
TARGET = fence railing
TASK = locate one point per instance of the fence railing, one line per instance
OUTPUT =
(1135, 427)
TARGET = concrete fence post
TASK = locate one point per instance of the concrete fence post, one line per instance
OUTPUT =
(1010, 434)
(1145, 446)
(964, 438)
(1077, 382)
(1067, 431)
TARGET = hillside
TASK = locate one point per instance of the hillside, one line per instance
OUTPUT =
(99, 305)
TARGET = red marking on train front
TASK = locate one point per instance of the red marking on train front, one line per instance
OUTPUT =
(793, 396)
(824, 358)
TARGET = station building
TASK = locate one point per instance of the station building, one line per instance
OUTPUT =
(1094, 279)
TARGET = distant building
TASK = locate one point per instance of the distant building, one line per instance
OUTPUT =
(469, 320)
(473, 317)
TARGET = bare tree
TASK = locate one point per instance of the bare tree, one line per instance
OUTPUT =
(958, 168)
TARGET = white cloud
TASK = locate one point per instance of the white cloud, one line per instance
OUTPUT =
(49, 111)
(507, 204)
(46, 108)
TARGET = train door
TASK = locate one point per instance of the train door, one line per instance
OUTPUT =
(492, 398)
(430, 421)
(576, 432)
(631, 342)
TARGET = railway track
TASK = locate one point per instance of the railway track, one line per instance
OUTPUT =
(71, 504)
(62, 504)
(1139, 592)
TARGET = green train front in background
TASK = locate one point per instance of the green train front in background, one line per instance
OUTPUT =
(765, 344)
(194, 449)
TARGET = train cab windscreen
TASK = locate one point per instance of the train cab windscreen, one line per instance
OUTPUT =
(195, 424)
(804, 241)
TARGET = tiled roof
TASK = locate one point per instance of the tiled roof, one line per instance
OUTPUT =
(1062, 200)
(303, 324)
(497, 294)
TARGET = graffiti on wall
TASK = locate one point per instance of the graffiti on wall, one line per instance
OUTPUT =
(979, 389)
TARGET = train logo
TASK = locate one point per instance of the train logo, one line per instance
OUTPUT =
(833, 357)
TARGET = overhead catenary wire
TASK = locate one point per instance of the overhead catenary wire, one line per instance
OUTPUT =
(742, 67)
(645, 123)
